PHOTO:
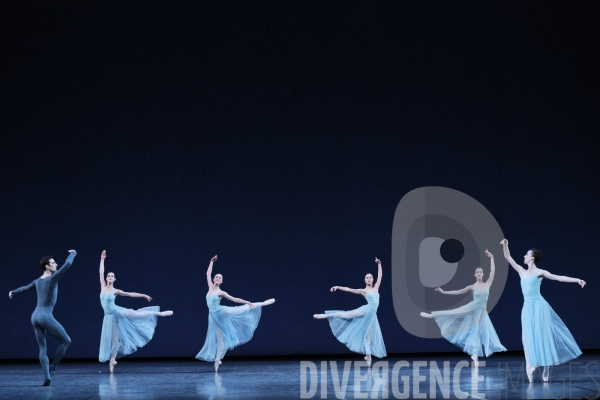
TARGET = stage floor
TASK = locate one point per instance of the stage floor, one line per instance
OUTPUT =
(283, 379)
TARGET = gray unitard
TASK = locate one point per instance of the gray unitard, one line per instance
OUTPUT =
(42, 319)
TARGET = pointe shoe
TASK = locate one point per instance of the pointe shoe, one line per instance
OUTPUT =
(368, 360)
(546, 374)
(47, 382)
(112, 366)
(269, 302)
(530, 372)
(166, 313)
(217, 363)
(425, 315)
(475, 361)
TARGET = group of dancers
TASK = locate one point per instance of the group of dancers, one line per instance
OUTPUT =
(546, 339)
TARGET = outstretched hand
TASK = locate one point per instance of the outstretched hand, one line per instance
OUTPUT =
(214, 258)
(487, 253)
(148, 297)
(439, 289)
(250, 304)
(581, 283)
(103, 255)
(333, 289)
(504, 241)
(377, 261)
(72, 251)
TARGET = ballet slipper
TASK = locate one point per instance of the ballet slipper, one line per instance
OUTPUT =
(530, 372)
(475, 361)
(217, 363)
(319, 316)
(546, 374)
(47, 382)
(112, 366)
(368, 360)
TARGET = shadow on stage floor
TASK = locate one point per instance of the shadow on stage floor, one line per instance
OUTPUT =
(424, 376)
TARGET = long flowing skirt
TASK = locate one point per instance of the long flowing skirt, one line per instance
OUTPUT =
(546, 339)
(359, 330)
(469, 327)
(125, 330)
(229, 327)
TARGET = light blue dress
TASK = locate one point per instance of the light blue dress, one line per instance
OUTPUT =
(228, 327)
(546, 339)
(359, 329)
(469, 327)
(124, 330)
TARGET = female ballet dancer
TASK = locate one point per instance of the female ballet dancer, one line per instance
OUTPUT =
(546, 339)
(228, 327)
(123, 330)
(359, 329)
(469, 327)
(42, 319)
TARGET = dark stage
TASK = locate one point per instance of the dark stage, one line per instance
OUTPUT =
(282, 379)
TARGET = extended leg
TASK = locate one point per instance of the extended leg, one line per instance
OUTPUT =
(54, 328)
(219, 350)
(368, 347)
(40, 335)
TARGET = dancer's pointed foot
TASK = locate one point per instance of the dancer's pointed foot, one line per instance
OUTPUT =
(320, 316)
(269, 302)
(47, 382)
(475, 361)
(112, 366)
(546, 374)
(368, 360)
(425, 315)
(530, 372)
(217, 363)
(52, 370)
(165, 313)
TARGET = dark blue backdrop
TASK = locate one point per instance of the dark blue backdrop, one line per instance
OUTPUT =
(281, 136)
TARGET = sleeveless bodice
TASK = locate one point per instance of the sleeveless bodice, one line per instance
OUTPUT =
(108, 302)
(213, 301)
(373, 300)
(480, 296)
(531, 287)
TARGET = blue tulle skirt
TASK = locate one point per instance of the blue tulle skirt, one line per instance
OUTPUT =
(546, 339)
(469, 327)
(125, 330)
(229, 327)
(359, 330)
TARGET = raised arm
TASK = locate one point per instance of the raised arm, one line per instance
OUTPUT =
(461, 291)
(561, 278)
(235, 299)
(102, 257)
(512, 262)
(209, 272)
(21, 289)
(379, 274)
(132, 294)
(345, 289)
(66, 265)
(492, 268)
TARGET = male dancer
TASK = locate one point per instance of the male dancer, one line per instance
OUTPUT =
(42, 319)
